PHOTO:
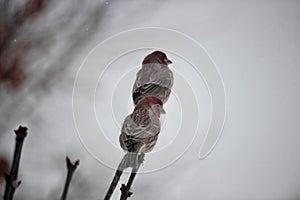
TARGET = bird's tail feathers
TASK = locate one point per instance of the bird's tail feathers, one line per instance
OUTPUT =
(129, 160)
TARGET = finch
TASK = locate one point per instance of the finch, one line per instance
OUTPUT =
(154, 79)
(140, 130)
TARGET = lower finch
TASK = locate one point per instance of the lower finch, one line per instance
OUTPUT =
(140, 130)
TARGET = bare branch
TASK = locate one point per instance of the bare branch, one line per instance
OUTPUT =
(114, 182)
(71, 168)
(125, 189)
(11, 179)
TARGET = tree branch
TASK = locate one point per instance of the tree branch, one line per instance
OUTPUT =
(125, 189)
(71, 168)
(11, 179)
(114, 182)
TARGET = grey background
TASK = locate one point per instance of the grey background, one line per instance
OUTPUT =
(255, 45)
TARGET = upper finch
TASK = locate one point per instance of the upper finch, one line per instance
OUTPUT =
(154, 78)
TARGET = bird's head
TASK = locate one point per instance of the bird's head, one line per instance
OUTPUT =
(157, 57)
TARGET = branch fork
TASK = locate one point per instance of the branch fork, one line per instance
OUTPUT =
(12, 182)
(71, 167)
(125, 189)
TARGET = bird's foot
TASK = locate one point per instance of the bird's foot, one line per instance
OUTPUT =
(141, 158)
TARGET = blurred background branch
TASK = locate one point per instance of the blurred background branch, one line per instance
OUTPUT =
(11, 179)
(39, 41)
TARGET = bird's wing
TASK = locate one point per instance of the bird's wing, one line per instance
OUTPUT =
(140, 130)
(156, 74)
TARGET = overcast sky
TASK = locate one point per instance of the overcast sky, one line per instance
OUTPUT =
(254, 45)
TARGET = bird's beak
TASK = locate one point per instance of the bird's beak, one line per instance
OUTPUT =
(168, 61)
(162, 111)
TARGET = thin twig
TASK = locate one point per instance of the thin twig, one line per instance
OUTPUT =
(125, 189)
(11, 179)
(114, 182)
(71, 168)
